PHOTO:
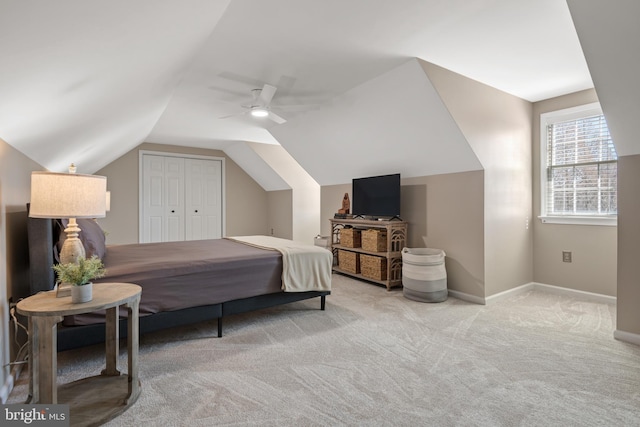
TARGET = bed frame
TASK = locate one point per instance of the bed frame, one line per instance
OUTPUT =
(41, 235)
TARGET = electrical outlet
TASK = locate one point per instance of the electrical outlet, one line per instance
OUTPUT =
(566, 256)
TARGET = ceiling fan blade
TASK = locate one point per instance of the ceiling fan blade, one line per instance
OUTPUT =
(239, 78)
(276, 118)
(266, 94)
(233, 115)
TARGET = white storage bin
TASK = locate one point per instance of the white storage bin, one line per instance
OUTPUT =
(424, 277)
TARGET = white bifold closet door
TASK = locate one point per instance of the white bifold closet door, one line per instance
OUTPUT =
(203, 199)
(181, 198)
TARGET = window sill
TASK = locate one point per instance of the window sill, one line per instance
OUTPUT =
(580, 220)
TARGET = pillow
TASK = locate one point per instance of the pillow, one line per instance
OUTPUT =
(92, 237)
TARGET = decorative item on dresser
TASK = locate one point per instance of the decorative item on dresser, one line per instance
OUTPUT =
(374, 255)
(346, 205)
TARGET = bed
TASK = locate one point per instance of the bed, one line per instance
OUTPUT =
(185, 282)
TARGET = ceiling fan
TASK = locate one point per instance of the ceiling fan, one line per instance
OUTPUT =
(261, 105)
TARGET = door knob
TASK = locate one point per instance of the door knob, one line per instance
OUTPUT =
(196, 210)
(173, 211)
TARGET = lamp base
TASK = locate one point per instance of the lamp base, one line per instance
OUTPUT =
(72, 248)
(63, 290)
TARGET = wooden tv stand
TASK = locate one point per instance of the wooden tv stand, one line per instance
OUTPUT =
(396, 241)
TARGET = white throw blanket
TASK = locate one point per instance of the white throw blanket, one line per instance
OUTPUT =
(304, 267)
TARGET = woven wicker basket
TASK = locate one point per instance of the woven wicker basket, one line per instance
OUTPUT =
(374, 240)
(350, 238)
(373, 267)
(349, 261)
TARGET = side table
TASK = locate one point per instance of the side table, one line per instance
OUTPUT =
(92, 400)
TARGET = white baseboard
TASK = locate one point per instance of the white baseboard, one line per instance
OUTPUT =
(493, 298)
(589, 296)
(627, 337)
(466, 297)
(509, 292)
(5, 391)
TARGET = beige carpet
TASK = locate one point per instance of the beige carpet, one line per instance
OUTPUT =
(375, 358)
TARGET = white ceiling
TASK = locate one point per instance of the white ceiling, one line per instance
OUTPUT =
(87, 82)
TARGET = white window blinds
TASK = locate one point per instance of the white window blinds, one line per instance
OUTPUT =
(582, 168)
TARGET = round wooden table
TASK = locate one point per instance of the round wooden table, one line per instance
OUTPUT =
(92, 400)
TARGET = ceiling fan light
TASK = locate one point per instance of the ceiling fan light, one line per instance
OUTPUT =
(259, 112)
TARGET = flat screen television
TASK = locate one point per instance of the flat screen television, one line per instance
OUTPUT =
(376, 196)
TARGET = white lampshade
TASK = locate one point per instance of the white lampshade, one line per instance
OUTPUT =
(67, 195)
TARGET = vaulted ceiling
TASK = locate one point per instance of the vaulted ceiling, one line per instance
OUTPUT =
(610, 36)
(86, 82)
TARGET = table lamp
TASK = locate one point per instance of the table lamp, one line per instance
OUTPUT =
(68, 195)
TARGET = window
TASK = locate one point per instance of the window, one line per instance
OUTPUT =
(579, 167)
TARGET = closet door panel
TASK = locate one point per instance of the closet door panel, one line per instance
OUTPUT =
(213, 199)
(155, 229)
(153, 198)
(174, 179)
(163, 198)
(203, 185)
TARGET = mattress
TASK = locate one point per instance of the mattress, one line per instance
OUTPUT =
(177, 275)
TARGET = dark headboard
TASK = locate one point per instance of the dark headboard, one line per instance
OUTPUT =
(41, 233)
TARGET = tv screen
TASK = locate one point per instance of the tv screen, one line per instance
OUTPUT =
(377, 196)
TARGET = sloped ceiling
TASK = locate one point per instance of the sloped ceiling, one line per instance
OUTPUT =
(610, 37)
(256, 167)
(85, 82)
(396, 121)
